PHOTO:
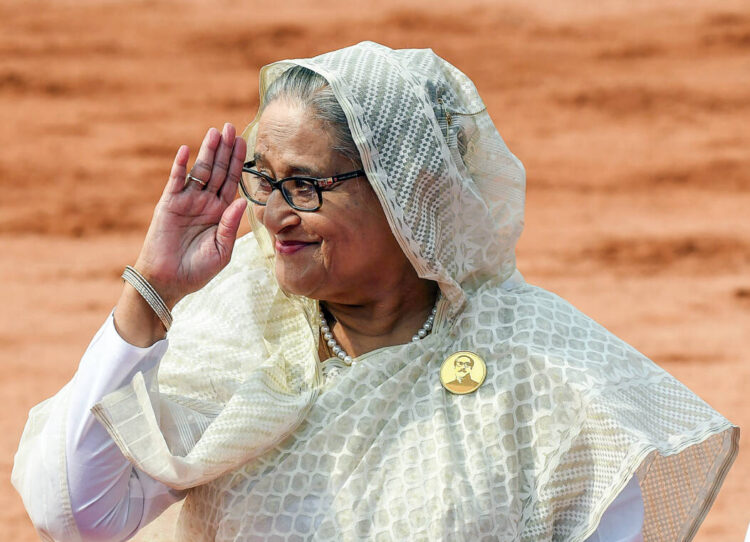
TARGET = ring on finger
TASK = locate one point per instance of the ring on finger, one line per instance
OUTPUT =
(191, 177)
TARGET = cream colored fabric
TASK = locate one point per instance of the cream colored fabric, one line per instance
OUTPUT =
(567, 415)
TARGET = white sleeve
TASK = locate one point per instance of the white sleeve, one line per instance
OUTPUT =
(623, 520)
(110, 500)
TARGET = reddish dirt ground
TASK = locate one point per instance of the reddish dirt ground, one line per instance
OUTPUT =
(631, 118)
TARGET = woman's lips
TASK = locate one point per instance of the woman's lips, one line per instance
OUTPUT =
(289, 247)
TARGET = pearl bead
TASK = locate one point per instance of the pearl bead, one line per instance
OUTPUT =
(346, 358)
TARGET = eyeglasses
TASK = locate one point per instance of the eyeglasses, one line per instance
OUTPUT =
(301, 193)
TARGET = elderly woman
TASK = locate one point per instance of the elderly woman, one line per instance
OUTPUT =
(368, 364)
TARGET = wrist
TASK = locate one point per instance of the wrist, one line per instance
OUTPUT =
(149, 294)
(135, 320)
(161, 284)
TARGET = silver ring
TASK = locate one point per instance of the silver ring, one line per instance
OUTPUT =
(191, 177)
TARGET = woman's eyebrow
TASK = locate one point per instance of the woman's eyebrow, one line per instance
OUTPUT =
(295, 169)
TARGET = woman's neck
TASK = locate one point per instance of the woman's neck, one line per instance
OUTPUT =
(390, 319)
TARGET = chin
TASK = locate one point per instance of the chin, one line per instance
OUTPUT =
(299, 276)
(296, 285)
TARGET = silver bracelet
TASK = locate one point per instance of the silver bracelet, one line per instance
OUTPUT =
(148, 293)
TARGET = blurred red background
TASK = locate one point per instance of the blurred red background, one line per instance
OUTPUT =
(630, 116)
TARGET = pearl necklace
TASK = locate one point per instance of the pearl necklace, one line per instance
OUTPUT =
(347, 359)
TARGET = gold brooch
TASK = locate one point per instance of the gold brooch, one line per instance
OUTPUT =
(462, 372)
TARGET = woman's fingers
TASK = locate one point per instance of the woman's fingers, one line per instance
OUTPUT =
(176, 180)
(219, 165)
(221, 159)
(229, 188)
(205, 160)
(226, 232)
(189, 217)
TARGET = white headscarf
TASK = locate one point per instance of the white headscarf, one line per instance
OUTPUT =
(567, 415)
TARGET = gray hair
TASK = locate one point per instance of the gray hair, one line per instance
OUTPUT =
(313, 92)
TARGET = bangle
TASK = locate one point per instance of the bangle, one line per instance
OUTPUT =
(136, 280)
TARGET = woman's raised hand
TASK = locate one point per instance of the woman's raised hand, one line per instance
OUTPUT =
(192, 232)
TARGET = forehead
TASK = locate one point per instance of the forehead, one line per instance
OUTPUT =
(291, 139)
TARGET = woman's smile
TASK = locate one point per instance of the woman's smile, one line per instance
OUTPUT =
(289, 247)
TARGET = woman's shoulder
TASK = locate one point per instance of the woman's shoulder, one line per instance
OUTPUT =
(532, 324)
(523, 309)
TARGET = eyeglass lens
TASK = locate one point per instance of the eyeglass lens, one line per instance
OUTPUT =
(300, 192)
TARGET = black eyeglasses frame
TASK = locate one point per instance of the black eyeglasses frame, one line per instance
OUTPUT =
(320, 184)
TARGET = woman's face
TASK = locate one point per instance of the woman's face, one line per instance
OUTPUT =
(342, 253)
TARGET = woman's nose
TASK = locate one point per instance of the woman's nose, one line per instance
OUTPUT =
(278, 214)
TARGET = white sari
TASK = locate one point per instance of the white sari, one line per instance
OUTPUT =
(567, 415)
